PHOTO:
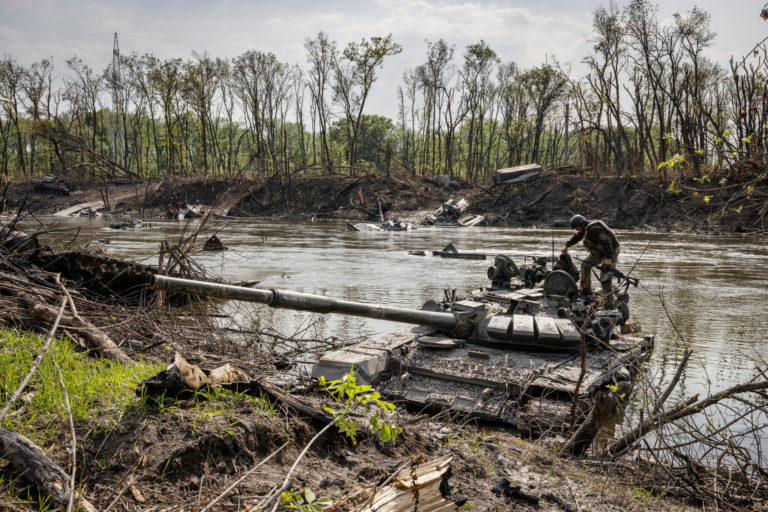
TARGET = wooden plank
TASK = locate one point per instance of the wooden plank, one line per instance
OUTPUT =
(421, 483)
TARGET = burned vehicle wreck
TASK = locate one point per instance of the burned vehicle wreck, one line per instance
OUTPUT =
(508, 353)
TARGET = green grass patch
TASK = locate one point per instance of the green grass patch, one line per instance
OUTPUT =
(97, 388)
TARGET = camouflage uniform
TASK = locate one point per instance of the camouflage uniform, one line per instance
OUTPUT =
(601, 243)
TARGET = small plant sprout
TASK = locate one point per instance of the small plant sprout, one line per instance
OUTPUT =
(614, 388)
(352, 396)
(672, 190)
(305, 501)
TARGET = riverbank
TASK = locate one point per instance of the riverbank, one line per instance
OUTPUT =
(183, 453)
(548, 200)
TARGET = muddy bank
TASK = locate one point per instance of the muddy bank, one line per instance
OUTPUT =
(546, 200)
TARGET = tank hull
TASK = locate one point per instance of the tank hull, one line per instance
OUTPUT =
(528, 390)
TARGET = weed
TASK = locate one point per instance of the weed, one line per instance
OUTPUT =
(642, 494)
(305, 501)
(351, 396)
(97, 388)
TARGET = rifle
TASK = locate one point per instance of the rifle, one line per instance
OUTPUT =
(613, 270)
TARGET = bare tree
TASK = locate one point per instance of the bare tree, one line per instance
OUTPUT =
(354, 71)
(321, 53)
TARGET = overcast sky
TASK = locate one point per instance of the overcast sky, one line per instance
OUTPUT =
(524, 31)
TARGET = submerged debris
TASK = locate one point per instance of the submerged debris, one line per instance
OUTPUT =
(453, 213)
(449, 251)
(213, 244)
(126, 225)
(180, 210)
(390, 225)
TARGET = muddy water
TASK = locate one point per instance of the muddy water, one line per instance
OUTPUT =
(714, 288)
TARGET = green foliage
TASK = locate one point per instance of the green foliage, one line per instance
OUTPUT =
(613, 388)
(305, 501)
(704, 179)
(672, 190)
(352, 396)
(676, 159)
(97, 388)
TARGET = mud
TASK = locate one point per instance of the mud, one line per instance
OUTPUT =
(550, 199)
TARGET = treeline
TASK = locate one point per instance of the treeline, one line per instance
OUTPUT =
(650, 104)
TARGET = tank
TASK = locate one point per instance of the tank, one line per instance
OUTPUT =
(50, 184)
(510, 352)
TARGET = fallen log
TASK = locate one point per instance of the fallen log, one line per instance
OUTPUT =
(95, 338)
(31, 462)
(274, 393)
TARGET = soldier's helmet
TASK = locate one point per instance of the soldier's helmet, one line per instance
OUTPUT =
(578, 220)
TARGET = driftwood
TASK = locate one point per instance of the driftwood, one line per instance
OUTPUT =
(34, 465)
(95, 338)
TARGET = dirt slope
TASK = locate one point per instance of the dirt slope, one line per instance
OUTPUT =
(549, 199)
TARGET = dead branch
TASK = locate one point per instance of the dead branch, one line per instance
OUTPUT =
(32, 462)
(74, 437)
(673, 383)
(687, 408)
(96, 338)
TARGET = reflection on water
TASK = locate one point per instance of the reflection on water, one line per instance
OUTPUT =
(715, 288)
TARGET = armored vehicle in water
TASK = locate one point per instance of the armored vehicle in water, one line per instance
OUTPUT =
(517, 352)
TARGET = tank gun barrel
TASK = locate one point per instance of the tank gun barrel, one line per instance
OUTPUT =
(287, 299)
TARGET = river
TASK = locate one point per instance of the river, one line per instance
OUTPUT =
(715, 288)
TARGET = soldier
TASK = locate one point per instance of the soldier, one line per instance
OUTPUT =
(603, 248)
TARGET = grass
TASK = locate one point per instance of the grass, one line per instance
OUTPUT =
(97, 388)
